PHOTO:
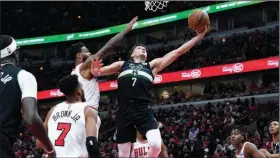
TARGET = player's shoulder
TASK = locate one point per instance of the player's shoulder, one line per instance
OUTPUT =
(25, 77)
(25, 74)
(77, 68)
(59, 105)
(250, 147)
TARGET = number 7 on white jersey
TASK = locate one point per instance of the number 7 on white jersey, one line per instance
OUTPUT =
(134, 81)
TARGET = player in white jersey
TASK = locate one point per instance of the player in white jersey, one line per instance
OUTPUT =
(140, 148)
(71, 124)
(244, 149)
(83, 67)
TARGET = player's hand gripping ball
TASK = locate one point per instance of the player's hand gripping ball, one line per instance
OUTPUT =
(198, 19)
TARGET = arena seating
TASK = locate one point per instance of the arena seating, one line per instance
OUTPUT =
(194, 124)
(188, 130)
(236, 48)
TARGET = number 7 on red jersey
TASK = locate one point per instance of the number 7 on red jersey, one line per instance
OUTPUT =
(65, 128)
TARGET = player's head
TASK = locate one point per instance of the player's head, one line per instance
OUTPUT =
(9, 53)
(81, 51)
(237, 136)
(274, 127)
(71, 88)
(138, 51)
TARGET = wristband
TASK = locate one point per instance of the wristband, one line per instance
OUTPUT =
(49, 152)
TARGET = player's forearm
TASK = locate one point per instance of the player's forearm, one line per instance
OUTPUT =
(104, 51)
(164, 152)
(36, 127)
(187, 46)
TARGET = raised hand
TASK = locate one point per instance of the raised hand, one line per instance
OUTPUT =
(96, 64)
(131, 23)
(201, 32)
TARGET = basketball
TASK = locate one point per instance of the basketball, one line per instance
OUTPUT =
(198, 19)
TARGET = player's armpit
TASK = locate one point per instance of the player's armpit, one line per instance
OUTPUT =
(106, 70)
(254, 152)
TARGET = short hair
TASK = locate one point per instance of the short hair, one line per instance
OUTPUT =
(240, 130)
(132, 49)
(76, 48)
(68, 84)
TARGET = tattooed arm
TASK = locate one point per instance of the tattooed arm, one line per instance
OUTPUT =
(103, 52)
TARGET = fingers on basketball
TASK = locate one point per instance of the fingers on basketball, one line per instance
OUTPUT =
(198, 20)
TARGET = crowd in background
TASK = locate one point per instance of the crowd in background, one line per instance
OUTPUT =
(189, 130)
(235, 48)
(183, 134)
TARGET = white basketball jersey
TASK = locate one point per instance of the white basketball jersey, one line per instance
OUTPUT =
(140, 150)
(66, 130)
(90, 87)
(241, 154)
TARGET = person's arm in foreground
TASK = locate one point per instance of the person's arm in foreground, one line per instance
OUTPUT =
(91, 132)
(253, 150)
(32, 121)
(98, 70)
(38, 143)
(269, 155)
(104, 51)
(160, 63)
(164, 151)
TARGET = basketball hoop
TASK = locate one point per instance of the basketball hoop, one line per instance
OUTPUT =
(155, 5)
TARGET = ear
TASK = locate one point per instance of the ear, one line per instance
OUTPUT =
(242, 138)
(78, 55)
(80, 91)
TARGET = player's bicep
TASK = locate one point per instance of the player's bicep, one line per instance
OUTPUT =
(90, 118)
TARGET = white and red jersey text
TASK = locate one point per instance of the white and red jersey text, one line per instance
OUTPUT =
(67, 130)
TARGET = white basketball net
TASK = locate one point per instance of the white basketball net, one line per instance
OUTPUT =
(155, 5)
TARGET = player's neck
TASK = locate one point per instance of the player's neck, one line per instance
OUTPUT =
(8, 61)
(239, 148)
(138, 60)
(78, 62)
(73, 100)
(275, 138)
(142, 141)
